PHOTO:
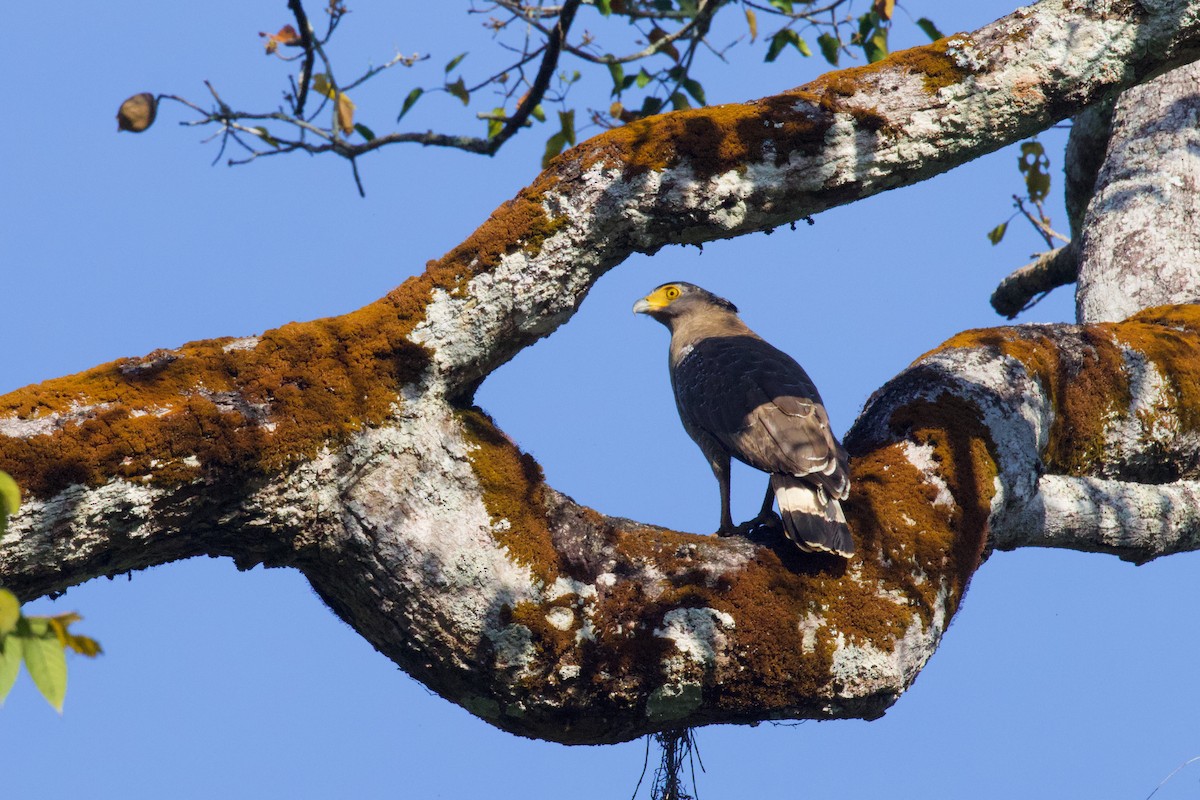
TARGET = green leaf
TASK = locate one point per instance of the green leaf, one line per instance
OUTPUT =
(876, 47)
(1037, 183)
(10, 664)
(643, 79)
(46, 661)
(1032, 148)
(695, 90)
(410, 101)
(495, 122)
(604, 6)
(567, 120)
(454, 62)
(538, 113)
(803, 47)
(459, 90)
(10, 612)
(618, 78)
(783, 5)
(650, 107)
(10, 495)
(930, 29)
(364, 131)
(866, 23)
(554, 146)
(679, 101)
(997, 233)
(10, 500)
(830, 47)
(778, 42)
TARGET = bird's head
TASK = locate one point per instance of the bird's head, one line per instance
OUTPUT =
(674, 300)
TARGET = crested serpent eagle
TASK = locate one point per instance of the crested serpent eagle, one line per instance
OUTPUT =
(740, 397)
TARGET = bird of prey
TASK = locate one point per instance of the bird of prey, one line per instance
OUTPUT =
(740, 397)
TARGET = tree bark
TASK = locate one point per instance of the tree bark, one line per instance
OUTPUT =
(1144, 247)
(349, 449)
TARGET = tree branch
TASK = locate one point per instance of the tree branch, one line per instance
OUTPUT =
(347, 447)
(1022, 289)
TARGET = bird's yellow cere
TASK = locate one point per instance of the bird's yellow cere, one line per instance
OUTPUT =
(663, 296)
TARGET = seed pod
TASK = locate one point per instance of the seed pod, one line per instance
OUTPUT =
(137, 113)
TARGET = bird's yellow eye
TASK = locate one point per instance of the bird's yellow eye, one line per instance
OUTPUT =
(672, 292)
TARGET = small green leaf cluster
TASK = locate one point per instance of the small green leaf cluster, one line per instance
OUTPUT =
(1034, 166)
(40, 643)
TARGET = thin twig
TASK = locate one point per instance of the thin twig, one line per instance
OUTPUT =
(306, 42)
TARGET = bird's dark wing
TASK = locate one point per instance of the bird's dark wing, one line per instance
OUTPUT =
(760, 404)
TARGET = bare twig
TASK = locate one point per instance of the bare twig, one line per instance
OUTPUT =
(306, 43)
(554, 44)
(1040, 222)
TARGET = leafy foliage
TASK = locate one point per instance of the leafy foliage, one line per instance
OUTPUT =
(1034, 166)
(647, 48)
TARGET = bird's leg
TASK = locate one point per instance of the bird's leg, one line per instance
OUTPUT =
(767, 518)
(720, 468)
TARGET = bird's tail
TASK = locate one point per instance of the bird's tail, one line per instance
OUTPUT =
(811, 518)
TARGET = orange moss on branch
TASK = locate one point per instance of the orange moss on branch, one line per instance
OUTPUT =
(513, 490)
(216, 405)
(718, 139)
(1088, 383)
(919, 544)
(1169, 338)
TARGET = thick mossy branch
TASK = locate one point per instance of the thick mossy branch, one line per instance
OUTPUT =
(347, 447)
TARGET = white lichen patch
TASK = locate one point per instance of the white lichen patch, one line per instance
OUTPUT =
(1151, 420)
(810, 624)
(413, 499)
(37, 425)
(512, 648)
(921, 456)
(244, 343)
(698, 633)
(561, 618)
(965, 54)
(861, 669)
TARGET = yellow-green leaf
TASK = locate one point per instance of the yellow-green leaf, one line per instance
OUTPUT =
(47, 664)
(752, 22)
(566, 119)
(322, 85)
(876, 47)
(554, 146)
(10, 664)
(10, 495)
(997, 233)
(10, 612)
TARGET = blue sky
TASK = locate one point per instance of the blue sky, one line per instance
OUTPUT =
(1063, 675)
